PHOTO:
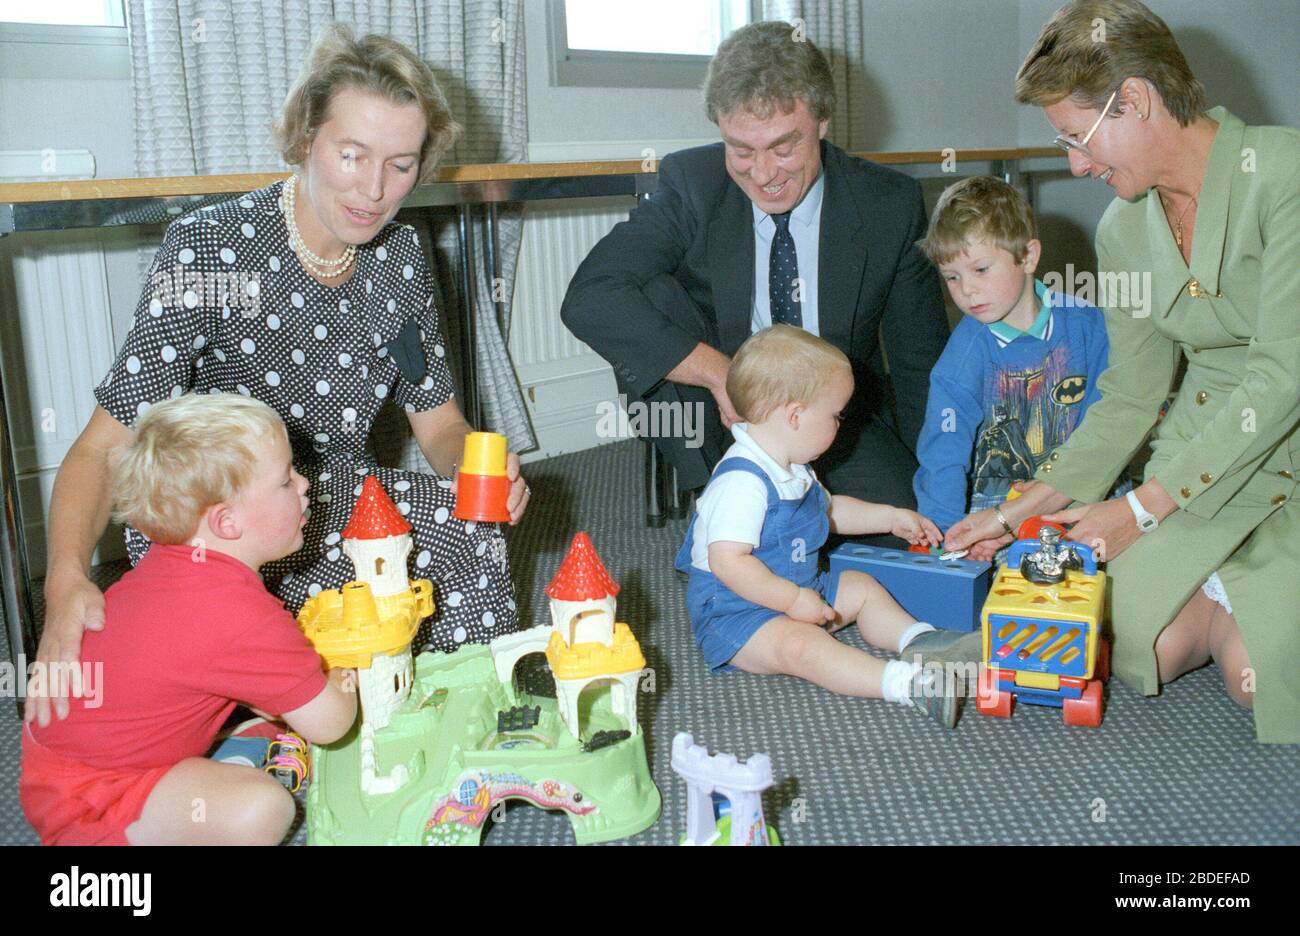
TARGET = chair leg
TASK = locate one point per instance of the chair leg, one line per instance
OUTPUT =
(675, 498)
(655, 515)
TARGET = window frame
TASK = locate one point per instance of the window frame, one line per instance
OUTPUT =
(41, 50)
(592, 68)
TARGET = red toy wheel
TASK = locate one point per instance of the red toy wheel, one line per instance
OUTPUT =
(1030, 527)
(989, 699)
(1101, 671)
(1084, 711)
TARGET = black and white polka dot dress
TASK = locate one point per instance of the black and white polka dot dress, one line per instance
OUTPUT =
(229, 309)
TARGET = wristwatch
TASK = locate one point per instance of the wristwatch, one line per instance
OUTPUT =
(1146, 520)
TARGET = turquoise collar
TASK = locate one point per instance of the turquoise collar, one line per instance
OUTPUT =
(1009, 333)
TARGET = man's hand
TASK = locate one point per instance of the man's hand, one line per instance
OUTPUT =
(725, 409)
(809, 606)
(916, 529)
(520, 493)
(707, 367)
(73, 606)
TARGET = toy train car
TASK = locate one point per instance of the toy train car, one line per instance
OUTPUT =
(1041, 625)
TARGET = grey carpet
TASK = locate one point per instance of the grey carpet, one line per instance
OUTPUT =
(1182, 768)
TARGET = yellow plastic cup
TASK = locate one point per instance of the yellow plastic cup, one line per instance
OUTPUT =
(485, 454)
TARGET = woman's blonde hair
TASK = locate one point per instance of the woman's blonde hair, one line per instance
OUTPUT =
(979, 208)
(374, 64)
(187, 454)
(1089, 47)
(781, 364)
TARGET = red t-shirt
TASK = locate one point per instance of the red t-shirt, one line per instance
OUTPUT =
(183, 642)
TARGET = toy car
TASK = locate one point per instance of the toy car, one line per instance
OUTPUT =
(1042, 628)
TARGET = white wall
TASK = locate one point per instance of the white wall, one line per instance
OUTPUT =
(56, 344)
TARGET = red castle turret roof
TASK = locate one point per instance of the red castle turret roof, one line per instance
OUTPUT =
(375, 516)
(581, 576)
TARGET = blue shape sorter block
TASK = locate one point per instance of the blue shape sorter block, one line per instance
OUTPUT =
(948, 594)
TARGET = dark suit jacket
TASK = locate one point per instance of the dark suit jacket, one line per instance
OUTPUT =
(698, 229)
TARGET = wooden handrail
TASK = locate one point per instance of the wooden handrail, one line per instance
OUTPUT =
(173, 186)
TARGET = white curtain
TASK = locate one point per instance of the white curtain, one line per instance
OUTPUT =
(835, 26)
(209, 78)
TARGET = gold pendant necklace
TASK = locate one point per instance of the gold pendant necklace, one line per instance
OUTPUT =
(1178, 225)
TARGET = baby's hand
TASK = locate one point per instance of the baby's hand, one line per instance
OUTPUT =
(916, 529)
(809, 606)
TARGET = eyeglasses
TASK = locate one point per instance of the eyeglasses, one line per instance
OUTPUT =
(1082, 146)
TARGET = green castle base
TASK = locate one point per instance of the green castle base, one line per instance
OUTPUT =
(460, 767)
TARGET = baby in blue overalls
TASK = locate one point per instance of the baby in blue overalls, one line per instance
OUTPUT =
(756, 598)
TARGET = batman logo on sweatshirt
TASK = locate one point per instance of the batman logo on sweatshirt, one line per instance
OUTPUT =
(1070, 389)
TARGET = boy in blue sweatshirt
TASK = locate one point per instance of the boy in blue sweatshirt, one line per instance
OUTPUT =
(1020, 368)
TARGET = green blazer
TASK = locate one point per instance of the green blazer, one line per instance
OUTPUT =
(1227, 450)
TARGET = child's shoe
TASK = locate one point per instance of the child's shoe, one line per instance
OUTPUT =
(289, 761)
(930, 695)
(943, 647)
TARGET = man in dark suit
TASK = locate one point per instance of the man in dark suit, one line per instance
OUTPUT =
(771, 224)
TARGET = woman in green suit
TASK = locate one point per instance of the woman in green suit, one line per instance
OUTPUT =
(1205, 556)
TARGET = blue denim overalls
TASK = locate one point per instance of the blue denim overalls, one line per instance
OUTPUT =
(793, 533)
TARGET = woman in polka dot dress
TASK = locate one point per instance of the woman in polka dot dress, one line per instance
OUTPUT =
(303, 295)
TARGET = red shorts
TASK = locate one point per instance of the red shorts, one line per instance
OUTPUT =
(68, 803)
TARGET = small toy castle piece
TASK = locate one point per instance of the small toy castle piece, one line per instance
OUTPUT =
(741, 784)
(586, 644)
(369, 624)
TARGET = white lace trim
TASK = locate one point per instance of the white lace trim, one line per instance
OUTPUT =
(1213, 588)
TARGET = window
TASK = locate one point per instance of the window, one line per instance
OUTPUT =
(64, 39)
(64, 12)
(627, 44)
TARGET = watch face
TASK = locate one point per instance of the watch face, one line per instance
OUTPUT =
(1148, 523)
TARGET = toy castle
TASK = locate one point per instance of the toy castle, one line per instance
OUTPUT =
(369, 624)
(454, 735)
(583, 644)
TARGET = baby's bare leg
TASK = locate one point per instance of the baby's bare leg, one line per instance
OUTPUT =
(797, 648)
(881, 621)
(205, 802)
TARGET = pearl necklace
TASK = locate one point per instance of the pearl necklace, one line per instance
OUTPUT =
(318, 266)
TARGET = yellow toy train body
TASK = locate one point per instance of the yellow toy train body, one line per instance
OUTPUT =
(1042, 637)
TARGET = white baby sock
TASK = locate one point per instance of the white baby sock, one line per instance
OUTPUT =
(913, 632)
(896, 681)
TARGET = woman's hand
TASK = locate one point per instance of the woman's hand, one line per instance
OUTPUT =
(916, 529)
(73, 606)
(520, 493)
(1108, 527)
(981, 533)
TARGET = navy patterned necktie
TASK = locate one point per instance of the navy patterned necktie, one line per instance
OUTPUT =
(783, 274)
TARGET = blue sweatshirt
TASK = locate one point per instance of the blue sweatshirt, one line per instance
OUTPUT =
(998, 409)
